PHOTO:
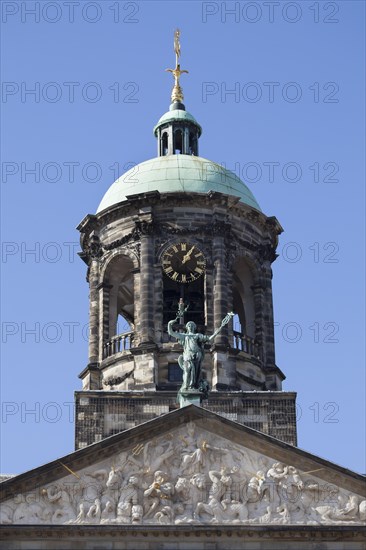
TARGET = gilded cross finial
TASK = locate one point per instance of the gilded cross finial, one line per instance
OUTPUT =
(177, 93)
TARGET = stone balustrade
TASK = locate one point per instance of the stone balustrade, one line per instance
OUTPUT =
(120, 342)
(245, 343)
(123, 342)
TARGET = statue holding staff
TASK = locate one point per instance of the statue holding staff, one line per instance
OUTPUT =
(193, 348)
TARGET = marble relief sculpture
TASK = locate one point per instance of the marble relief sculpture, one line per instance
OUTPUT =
(189, 477)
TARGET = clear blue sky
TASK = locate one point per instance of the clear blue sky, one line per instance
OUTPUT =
(299, 147)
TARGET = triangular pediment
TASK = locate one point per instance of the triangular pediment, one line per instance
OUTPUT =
(190, 466)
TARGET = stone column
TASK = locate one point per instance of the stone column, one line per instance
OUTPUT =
(185, 144)
(220, 289)
(93, 311)
(145, 359)
(264, 322)
(112, 309)
(229, 303)
(146, 313)
(170, 140)
(136, 305)
(104, 328)
(159, 304)
(209, 300)
(224, 373)
(259, 306)
(269, 342)
(160, 152)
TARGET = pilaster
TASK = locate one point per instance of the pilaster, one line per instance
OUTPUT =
(220, 289)
(146, 320)
(268, 318)
(94, 311)
(104, 290)
(260, 332)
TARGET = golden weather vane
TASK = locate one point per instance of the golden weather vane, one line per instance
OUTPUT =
(177, 93)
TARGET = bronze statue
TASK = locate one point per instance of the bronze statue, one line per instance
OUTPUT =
(193, 349)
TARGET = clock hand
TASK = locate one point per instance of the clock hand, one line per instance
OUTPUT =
(187, 256)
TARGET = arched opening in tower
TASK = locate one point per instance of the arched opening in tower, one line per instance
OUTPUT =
(164, 144)
(243, 301)
(118, 305)
(193, 143)
(123, 325)
(178, 142)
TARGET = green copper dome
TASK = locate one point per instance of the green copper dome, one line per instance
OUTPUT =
(174, 174)
(176, 115)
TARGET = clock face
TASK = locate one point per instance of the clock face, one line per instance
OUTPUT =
(183, 262)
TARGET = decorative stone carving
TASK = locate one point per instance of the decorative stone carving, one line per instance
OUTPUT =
(135, 248)
(115, 380)
(128, 509)
(61, 498)
(94, 248)
(143, 227)
(132, 239)
(266, 252)
(120, 242)
(189, 476)
(213, 228)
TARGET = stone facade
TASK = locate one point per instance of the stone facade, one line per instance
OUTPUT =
(123, 247)
(187, 479)
(272, 413)
(210, 537)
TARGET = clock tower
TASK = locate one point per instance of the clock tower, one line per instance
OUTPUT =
(179, 229)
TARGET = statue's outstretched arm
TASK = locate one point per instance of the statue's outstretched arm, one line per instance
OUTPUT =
(223, 323)
(214, 334)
